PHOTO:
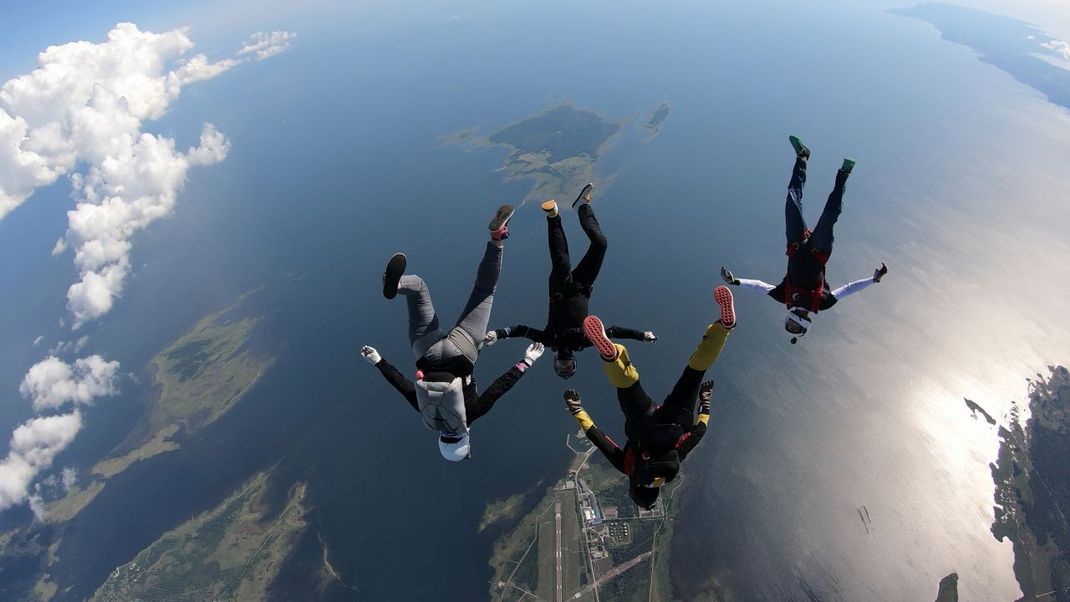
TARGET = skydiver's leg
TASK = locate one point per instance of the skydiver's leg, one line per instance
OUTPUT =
(795, 223)
(423, 320)
(635, 404)
(587, 270)
(679, 406)
(560, 264)
(637, 408)
(476, 315)
(822, 237)
(621, 373)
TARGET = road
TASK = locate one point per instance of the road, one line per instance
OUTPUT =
(557, 539)
(613, 573)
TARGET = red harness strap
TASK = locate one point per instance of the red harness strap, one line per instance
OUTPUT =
(816, 296)
(790, 291)
(629, 460)
(795, 246)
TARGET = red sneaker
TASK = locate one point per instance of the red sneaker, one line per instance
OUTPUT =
(596, 333)
(499, 226)
(723, 297)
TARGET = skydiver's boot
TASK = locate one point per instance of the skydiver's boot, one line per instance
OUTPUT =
(584, 197)
(800, 149)
(848, 165)
(499, 226)
(550, 207)
(596, 333)
(394, 269)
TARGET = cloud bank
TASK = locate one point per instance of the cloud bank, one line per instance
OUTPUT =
(34, 445)
(80, 114)
(52, 383)
(86, 104)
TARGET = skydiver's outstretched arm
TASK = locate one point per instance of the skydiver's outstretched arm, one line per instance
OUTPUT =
(518, 331)
(607, 446)
(620, 332)
(756, 285)
(501, 386)
(403, 385)
(859, 285)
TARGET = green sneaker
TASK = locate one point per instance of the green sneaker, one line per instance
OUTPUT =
(848, 165)
(800, 149)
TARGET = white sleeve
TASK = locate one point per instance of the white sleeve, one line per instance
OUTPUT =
(756, 285)
(851, 288)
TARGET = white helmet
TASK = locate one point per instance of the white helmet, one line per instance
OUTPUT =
(454, 447)
(797, 325)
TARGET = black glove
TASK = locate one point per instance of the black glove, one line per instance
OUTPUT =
(705, 394)
(572, 402)
(728, 277)
(880, 272)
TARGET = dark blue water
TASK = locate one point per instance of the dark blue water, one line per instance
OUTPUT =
(336, 163)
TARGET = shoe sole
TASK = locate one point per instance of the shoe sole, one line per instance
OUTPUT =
(800, 148)
(583, 193)
(723, 297)
(596, 334)
(394, 269)
(501, 218)
(549, 207)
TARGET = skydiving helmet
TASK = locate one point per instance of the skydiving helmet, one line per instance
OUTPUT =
(565, 363)
(797, 323)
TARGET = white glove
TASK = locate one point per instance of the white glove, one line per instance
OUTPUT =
(649, 336)
(491, 338)
(534, 352)
(371, 355)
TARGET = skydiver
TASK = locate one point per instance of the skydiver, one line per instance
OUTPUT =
(570, 290)
(444, 392)
(658, 437)
(804, 288)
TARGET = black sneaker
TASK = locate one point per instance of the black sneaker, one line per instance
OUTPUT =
(499, 226)
(585, 196)
(394, 269)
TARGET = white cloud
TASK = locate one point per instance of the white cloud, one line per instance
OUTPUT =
(80, 114)
(266, 45)
(37, 341)
(34, 445)
(52, 383)
(69, 346)
(1058, 47)
(68, 478)
(122, 195)
(86, 104)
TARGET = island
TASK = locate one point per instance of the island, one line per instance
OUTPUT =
(231, 552)
(199, 378)
(977, 409)
(657, 118)
(558, 149)
(1032, 478)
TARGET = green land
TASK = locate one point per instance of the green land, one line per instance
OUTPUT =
(656, 120)
(1032, 479)
(232, 552)
(586, 540)
(558, 149)
(200, 377)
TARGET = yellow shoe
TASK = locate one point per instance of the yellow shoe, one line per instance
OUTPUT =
(550, 207)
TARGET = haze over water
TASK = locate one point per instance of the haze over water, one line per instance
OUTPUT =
(960, 187)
